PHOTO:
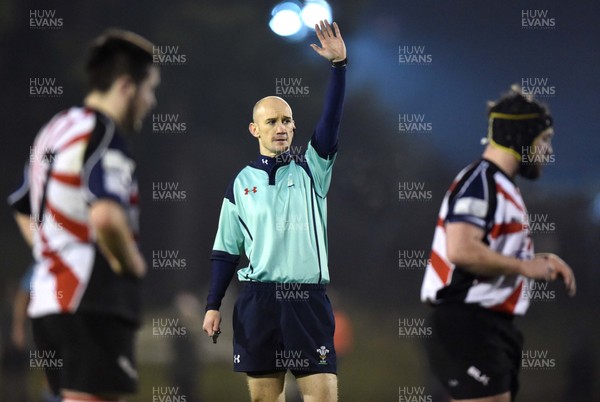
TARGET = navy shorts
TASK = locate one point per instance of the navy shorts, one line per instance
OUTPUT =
(91, 353)
(283, 326)
(473, 351)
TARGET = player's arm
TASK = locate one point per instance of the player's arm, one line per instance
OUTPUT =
(20, 303)
(228, 246)
(223, 266)
(114, 237)
(24, 224)
(332, 48)
(466, 249)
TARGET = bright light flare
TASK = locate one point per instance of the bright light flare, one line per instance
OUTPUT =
(315, 11)
(285, 20)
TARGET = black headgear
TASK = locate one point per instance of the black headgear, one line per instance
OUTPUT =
(514, 123)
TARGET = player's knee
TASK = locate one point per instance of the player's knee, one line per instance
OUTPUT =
(318, 387)
(265, 390)
(273, 396)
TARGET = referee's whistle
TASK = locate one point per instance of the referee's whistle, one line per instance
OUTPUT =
(216, 335)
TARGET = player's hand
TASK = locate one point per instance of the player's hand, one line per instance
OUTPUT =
(548, 267)
(212, 322)
(332, 44)
(138, 266)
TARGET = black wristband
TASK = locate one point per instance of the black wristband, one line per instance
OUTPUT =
(341, 63)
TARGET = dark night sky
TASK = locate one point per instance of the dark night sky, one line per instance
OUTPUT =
(476, 50)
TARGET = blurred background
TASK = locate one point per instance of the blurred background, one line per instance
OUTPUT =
(419, 77)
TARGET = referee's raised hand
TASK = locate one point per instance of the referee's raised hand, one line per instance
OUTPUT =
(332, 47)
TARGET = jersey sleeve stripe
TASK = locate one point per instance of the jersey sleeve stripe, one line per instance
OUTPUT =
(246, 228)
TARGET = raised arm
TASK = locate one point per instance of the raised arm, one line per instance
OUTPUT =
(332, 48)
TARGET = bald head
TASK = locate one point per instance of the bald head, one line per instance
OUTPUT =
(270, 104)
(273, 125)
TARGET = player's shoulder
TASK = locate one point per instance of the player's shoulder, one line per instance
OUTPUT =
(107, 145)
(72, 121)
(475, 180)
(480, 170)
(472, 195)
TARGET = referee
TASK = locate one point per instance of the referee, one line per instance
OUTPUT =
(482, 262)
(275, 212)
(77, 208)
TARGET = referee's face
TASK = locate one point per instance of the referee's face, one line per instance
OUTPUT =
(273, 126)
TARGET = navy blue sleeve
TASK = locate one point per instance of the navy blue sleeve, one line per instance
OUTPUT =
(222, 267)
(473, 201)
(108, 169)
(325, 137)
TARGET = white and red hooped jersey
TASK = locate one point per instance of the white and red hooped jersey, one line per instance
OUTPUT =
(77, 158)
(484, 196)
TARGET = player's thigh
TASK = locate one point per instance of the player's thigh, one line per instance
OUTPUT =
(267, 387)
(505, 397)
(319, 387)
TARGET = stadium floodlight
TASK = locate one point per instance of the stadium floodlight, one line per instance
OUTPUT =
(315, 11)
(285, 19)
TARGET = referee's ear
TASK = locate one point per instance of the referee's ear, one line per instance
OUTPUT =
(253, 130)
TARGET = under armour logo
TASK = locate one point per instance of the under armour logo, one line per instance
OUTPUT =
(247, 190)
(265, 161)
(236, 358)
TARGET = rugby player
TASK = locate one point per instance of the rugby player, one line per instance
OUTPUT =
(482, 258)
(78, 209)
